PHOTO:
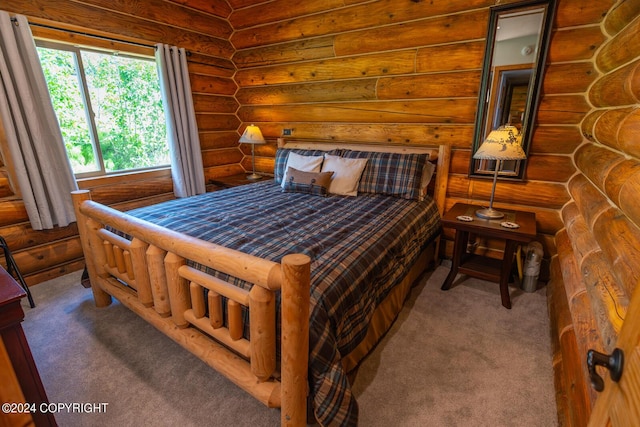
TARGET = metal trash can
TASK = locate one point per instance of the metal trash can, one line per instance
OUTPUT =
(531, 268)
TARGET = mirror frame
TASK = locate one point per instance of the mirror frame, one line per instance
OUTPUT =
(518, 168)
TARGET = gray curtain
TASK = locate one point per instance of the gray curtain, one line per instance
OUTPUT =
(184, 144)
(43, 172)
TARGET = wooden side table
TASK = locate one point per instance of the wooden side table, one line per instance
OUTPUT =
(480, 266)
(232, 181)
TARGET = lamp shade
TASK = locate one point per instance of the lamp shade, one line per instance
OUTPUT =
(252, 135)
(503, 143)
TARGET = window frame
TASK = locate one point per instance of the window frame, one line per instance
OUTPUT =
(77, 50)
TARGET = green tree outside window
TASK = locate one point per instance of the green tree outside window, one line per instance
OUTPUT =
(109, 108)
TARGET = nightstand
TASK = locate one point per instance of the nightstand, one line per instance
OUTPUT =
(232, 181)
(482, 267)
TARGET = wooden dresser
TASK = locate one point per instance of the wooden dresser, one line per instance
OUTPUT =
(18, 373)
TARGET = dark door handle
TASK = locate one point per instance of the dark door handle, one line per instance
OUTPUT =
(614, 362)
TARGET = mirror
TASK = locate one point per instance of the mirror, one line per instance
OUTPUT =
(512, 73)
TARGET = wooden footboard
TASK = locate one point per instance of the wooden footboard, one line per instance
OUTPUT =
(149, 275)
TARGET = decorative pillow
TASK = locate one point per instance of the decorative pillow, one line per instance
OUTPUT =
(394, 174)
(282, 155)
(302, 163)
(316, 183)
(347, 173)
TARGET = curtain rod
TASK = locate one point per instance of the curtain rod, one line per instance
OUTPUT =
(93, 35)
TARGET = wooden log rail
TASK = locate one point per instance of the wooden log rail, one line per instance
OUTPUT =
(149, 274)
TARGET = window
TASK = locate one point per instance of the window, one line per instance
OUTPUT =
(109, 108)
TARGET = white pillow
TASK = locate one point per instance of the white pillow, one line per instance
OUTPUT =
(302, 163)
(346, 174)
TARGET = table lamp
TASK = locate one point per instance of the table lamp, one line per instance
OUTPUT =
(504, 143)
(253, 136)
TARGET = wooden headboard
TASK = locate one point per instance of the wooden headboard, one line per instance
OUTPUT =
(439, 154)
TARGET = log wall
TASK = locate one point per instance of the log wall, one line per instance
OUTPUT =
(598, 256)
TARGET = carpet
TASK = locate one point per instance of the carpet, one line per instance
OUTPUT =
(454, 358)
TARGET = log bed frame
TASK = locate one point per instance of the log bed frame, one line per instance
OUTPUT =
(149, 275)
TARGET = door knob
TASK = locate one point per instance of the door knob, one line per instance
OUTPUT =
(614, 362)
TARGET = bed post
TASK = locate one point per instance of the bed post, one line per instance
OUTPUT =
(296, 290)
(440, 192)
(442, 176)
(101, 298)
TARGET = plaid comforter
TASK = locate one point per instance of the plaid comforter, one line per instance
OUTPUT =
(360, 248)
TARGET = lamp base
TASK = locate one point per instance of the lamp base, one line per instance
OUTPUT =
(254, 176)
(489, 213)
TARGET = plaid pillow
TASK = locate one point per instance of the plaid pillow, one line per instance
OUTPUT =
(395, 174)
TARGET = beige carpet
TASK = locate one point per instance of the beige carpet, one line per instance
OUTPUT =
(454, 358)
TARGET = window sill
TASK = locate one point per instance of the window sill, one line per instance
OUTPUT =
(114, 179)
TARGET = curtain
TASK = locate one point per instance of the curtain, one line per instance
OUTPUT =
(43, 172)
(184, 144)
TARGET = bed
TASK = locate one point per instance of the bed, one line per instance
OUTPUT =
(282, 286)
